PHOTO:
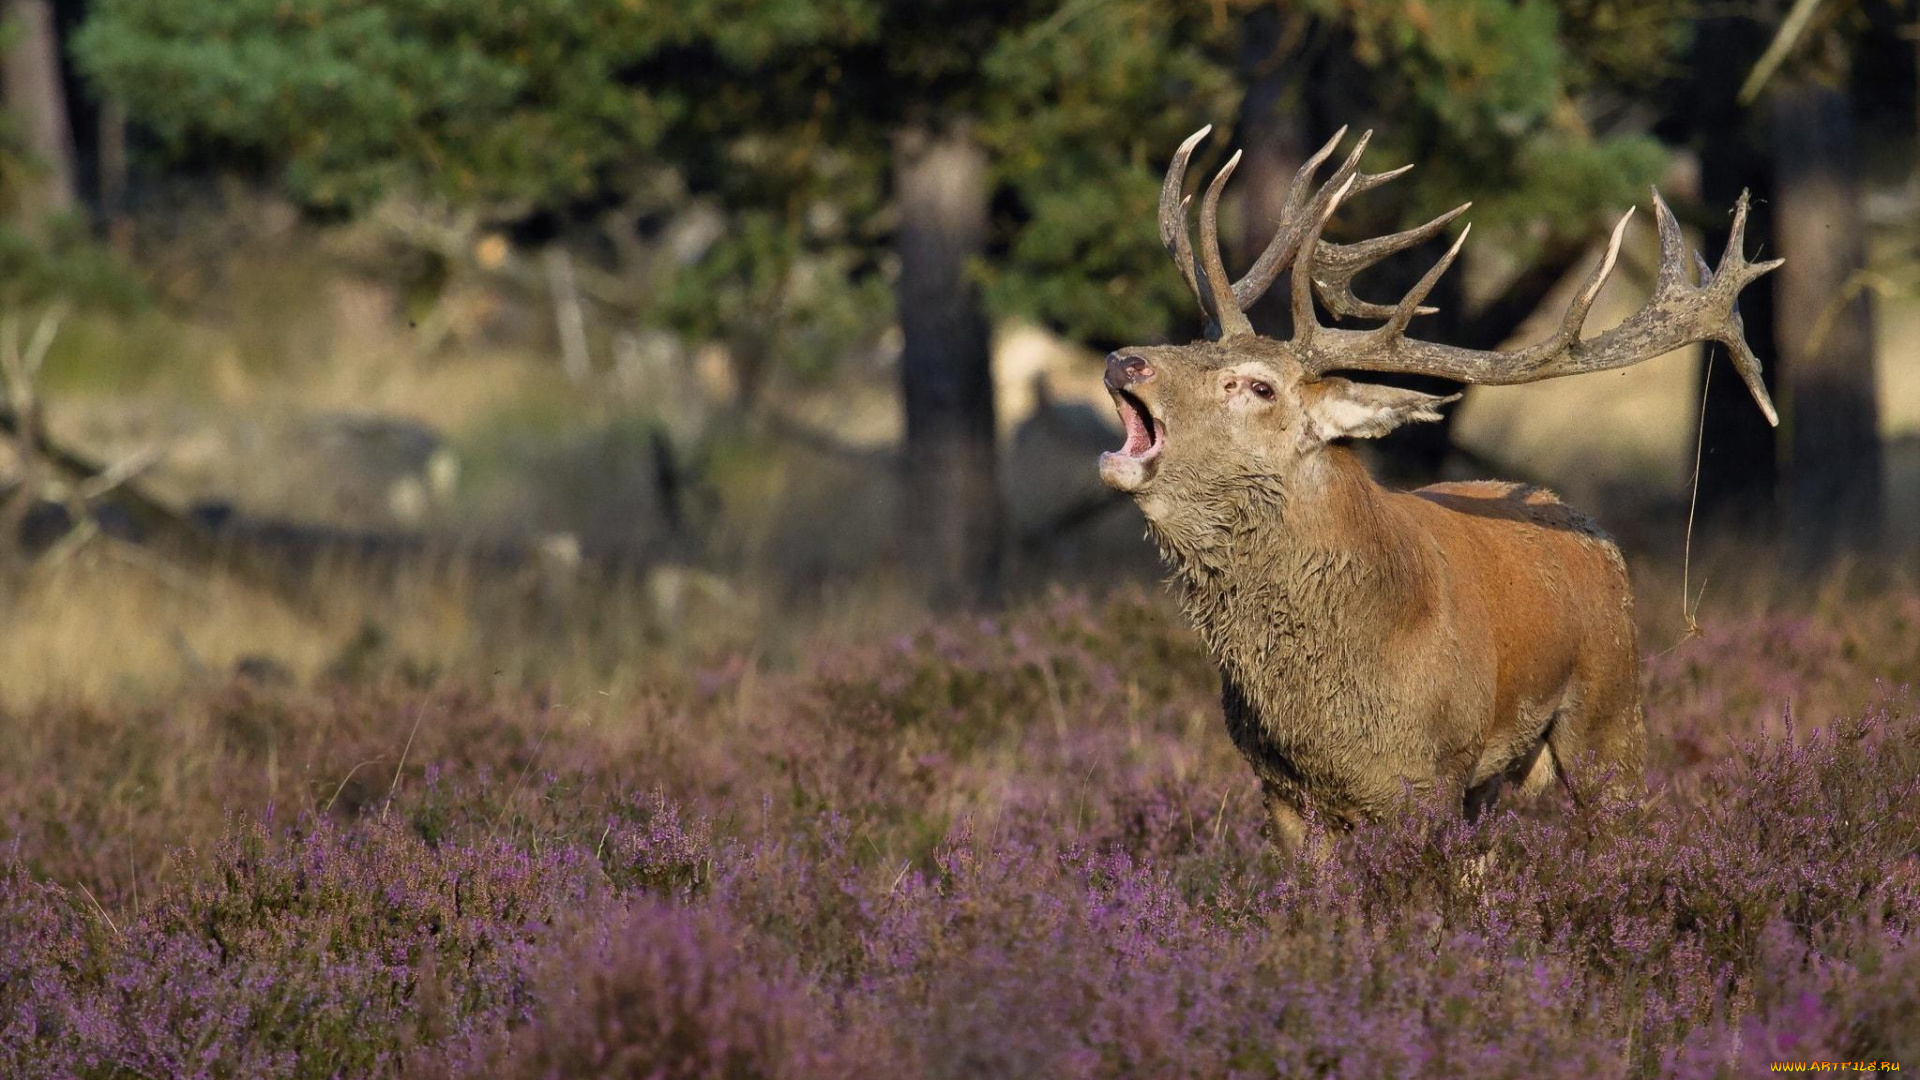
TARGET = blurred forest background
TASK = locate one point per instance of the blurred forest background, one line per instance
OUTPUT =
(344, 332)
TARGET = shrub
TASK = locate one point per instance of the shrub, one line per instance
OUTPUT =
(1018, 847)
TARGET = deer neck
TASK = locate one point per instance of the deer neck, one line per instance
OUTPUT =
(1281, 575)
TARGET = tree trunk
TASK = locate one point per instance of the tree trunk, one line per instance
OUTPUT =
(1273, 133)
(38, 105)
(953, 516)
(1824, 323)
(114, 172)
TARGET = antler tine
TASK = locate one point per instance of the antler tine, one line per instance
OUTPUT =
(1173, 212)
(1402, 313)
(1303, 178)
(1576, 316)
(1734, 258)
(1229, 320)
(1336, 265)
(1679, 313)
(1350, 168)
(1673, 256)
(1369, 181)
(1748, 365)
(1735, 254)
(1286, 239)
(1305, 324)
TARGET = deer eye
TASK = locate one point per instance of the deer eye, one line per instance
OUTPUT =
(1264, 391)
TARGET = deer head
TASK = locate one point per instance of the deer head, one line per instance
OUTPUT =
(1239, 405)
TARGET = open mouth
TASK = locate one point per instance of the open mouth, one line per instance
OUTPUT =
(1130, 466)
(1143, 435)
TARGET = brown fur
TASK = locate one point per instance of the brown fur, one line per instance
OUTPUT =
(1448, 640)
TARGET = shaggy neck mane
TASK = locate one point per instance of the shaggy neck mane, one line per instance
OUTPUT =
(1282, 576)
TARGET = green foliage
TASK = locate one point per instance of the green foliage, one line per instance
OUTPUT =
(527, 105)
(1493, 99)
(65, 264)
(1469, 64)
(1485, 95)
(1628, 44)
(550, 107)
(1086, 105)
(766, 282)
(780, 116)
(61, 261)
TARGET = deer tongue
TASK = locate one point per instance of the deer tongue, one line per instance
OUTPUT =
(1142, 438)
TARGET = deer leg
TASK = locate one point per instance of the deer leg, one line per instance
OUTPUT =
(1537, 771)
(1606, 753)
(1290, 832)
(1286, 827)
(1482, 796)
(1597, 750)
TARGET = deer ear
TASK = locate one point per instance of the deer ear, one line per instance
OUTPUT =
(1342, 409)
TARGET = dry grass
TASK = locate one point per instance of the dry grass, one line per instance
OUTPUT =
(113, 627)
(267, 316)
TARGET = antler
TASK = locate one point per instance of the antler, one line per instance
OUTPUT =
(1679, 313)
(1335, 264)
(1224, 316)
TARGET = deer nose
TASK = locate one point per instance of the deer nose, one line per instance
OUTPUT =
(1124, 371)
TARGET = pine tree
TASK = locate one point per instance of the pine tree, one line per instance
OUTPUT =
(816, 129)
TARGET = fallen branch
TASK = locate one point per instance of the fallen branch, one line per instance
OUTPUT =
(165, 533)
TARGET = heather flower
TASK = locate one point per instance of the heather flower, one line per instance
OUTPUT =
(1013, 847)
(646, 846)
(659, 991)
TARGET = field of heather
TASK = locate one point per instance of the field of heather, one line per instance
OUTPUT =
(1017, 846)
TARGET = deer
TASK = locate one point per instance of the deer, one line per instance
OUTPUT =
(1447, 642)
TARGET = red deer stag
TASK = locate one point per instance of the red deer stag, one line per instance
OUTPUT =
(1445, 640)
